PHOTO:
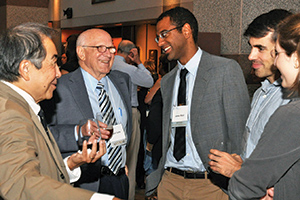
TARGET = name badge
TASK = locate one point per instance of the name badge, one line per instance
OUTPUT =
(118, 138)
(180, 116)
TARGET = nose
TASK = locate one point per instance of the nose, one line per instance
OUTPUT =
(160, 42)
(58, 73)
(253, 54)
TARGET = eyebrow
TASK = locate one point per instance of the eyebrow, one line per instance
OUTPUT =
(257, 45)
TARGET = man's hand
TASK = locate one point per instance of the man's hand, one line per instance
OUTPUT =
(90, 128)
(269, 195)
(105, 134)
(87, 156)
(224, 163)
(134, 56)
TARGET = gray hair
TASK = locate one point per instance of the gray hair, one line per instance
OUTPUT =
(125, 46)
(23, 42)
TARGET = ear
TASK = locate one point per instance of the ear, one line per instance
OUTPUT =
(24, 68)
(187, 31)
(295, 60)
(80, 53)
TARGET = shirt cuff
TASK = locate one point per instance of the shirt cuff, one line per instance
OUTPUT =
(98, 196)
(73, 174)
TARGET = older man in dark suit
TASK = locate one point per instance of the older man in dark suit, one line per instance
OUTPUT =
(205, 105)
(79, 98)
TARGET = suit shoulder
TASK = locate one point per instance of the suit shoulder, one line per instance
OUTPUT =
(219, 60)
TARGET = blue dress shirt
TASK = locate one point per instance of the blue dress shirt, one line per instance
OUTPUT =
(115, 99)
(266, 100)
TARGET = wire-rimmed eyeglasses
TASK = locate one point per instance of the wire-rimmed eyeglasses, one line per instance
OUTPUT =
(103, 48)
(165, 33)
(275, 53)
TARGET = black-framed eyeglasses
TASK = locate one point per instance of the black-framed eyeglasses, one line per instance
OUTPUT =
(103, 48)
(165, 33)
(275, 53)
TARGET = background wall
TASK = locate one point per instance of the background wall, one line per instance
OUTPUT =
(110, 12)
(14, 12)
(231, 18)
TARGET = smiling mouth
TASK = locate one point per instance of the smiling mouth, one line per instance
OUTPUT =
(105, 61)
(166, 49)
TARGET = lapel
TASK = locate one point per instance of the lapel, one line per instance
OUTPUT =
(120, 84)
(167, 87)
(79, 93)
(50, 141)
(200, 87)
(51, 144)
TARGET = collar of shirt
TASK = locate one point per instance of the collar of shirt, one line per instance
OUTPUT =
(28, 98)
(92, 82)
(192, 64)
(266, 85)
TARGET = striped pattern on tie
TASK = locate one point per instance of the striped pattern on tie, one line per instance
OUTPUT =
(106, 109)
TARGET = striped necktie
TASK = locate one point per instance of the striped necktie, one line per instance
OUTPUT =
(106, 109)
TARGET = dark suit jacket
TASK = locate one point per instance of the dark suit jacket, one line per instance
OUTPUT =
(219, 110)
(31, 166)
(154, 127)
(70, 105)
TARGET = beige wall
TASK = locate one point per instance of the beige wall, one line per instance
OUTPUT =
(118, 11)
(231, 17)
(14, 12)
(21, 14)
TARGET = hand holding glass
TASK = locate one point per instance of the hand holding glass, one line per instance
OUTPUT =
(107, 128)
(89, 129)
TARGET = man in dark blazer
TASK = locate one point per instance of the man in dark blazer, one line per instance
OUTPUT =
(77, 100)
(217, 108)
(31, 166)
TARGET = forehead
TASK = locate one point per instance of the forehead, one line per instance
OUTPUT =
(98, 37)
(49, 47)
(265, 41)
(163, 24)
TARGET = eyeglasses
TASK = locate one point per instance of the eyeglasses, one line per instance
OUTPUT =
(103, 48)
(165, 34)
(275, 53)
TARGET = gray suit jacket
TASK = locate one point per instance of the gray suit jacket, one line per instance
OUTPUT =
(219, 110)
(70, 105)
(31, 166)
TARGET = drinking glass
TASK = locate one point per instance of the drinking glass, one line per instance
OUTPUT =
(91, 127)
(109, 127)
